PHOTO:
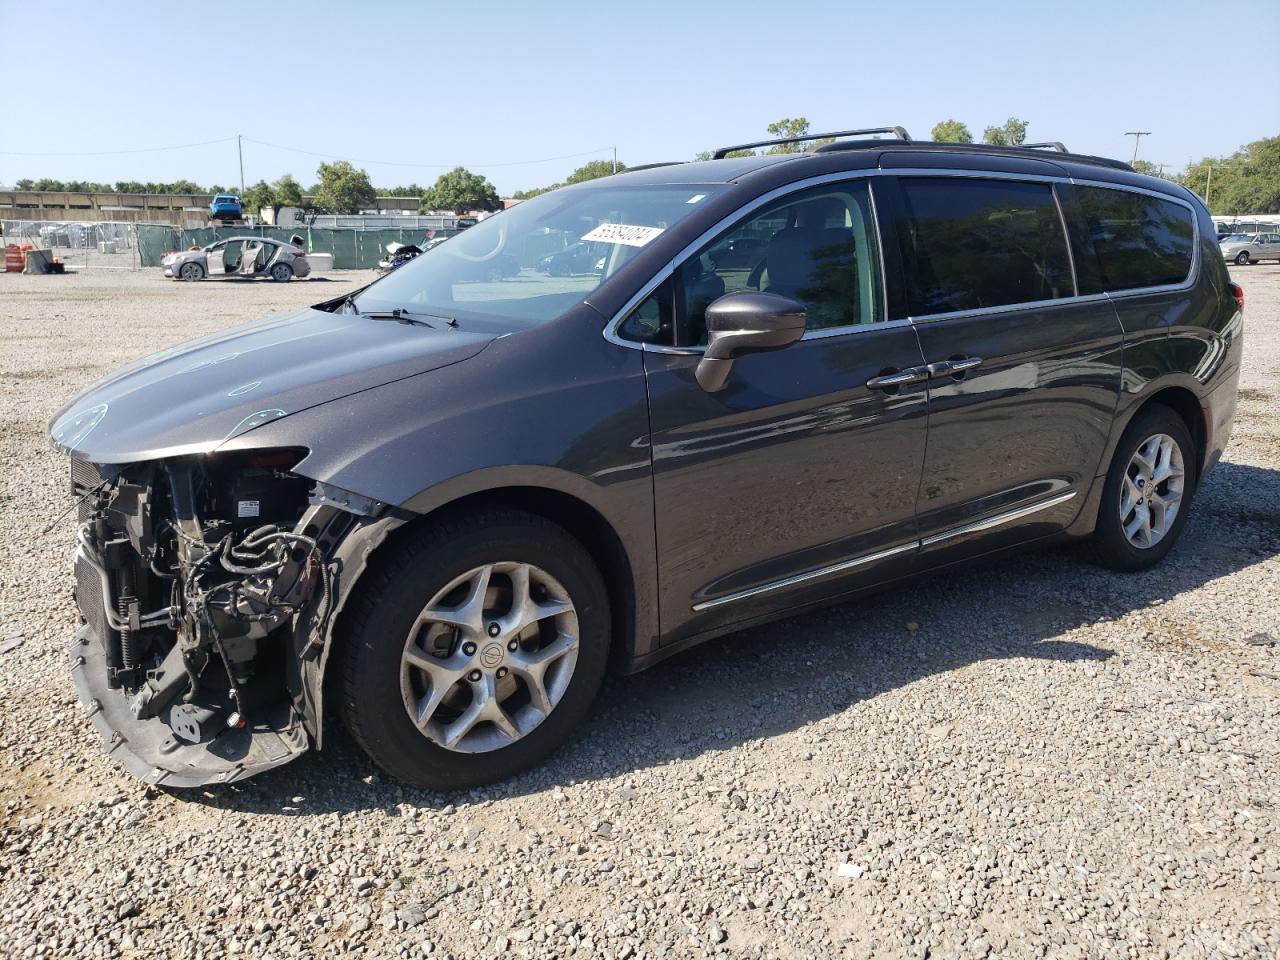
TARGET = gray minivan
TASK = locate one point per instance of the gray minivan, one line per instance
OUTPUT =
(447, 503)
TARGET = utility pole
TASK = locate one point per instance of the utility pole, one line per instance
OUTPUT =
(1208, 184)
(1137, 137)
(240, 150)
(615, 159)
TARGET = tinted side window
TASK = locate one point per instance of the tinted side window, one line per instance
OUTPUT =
(1139, 240)
(969, 244)
(818, 246)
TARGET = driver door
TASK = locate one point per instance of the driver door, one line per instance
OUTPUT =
(798, 480)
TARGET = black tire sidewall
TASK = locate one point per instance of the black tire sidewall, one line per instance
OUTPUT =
(1112, 547)
(371, 693)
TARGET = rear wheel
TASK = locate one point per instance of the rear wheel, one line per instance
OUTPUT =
(191, 271)
(1147, 491)
(281, 272)
(1242, 257)
(476, 652)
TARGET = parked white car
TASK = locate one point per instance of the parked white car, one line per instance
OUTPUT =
(239, 256)
(1245, 248)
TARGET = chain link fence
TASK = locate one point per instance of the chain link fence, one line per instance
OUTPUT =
(137, 246)
(100, 243)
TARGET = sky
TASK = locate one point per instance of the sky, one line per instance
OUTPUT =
(525, 92)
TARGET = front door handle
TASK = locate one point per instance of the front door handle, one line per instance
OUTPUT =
(899, 378)
(956, 367)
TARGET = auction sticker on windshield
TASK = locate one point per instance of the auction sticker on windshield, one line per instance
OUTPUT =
(623, 233)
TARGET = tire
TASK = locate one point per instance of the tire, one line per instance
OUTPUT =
(281, 273)
(378, 684)
(191, 272)
(1113, 547)
(1242, 257)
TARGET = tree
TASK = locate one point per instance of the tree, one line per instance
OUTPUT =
(951, 131)
(731, 155)
(534, 191)
(593, 171)
(1012, 133)
(1149, 168)
(343, 188)
(793, 127)
(1247, 181)
(588, 171)
(461, 190)
(259, 197)
(25, 185)
(412, 190)
(288, 193)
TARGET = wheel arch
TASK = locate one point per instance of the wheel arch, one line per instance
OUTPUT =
(579, 518)
(1188, 407)
(1179, 398)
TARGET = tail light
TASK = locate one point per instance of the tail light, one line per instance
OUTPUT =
(1239, 295)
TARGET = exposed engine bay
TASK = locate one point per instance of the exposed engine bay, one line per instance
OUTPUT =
(208, 586)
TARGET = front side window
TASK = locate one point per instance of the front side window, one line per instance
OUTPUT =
(818, 247)
(535, 261)
(1138, 240)
(971, 244)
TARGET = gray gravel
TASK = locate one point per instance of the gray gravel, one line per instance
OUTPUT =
(1023, 759)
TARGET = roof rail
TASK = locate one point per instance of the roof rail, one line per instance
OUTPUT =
(898, 132)
(650, 166)
(1047, 145)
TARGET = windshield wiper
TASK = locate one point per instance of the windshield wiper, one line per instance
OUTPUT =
(407, 317)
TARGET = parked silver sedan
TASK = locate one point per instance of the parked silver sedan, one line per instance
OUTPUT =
(1245, 248)
(239, 257)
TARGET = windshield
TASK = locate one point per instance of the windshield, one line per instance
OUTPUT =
(531, 263)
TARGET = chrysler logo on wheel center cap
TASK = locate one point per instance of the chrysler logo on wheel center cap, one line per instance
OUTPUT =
(491, 656)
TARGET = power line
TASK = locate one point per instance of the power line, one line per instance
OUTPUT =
(106, 153)
(438, 166)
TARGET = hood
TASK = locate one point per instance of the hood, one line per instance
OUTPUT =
(197, 395)
(178, 256)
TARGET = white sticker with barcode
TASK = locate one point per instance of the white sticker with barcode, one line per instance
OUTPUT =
(625, 234)
(247, 508)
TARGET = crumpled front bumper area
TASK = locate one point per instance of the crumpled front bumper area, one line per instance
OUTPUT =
(148, 748)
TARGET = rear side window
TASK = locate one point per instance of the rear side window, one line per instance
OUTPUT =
(972, 244)
(1139, 240)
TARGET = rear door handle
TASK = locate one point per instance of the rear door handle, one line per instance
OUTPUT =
(891, 381)
(954, 368)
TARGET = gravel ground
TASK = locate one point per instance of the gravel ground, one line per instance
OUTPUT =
(1029, 758)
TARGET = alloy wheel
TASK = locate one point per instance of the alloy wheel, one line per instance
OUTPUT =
(1153, 489)
(489, 657)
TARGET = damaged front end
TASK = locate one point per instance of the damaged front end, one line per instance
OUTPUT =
(208, 586)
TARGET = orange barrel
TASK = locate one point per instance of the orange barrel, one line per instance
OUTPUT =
(14, 259)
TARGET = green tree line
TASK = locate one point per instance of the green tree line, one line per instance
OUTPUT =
(1246, 181)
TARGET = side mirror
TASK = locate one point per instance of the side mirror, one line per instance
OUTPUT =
(742, 323)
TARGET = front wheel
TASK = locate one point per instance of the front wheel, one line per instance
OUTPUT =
(475, 651)
(191, 272)
(1147, 491)
(1242, 258)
